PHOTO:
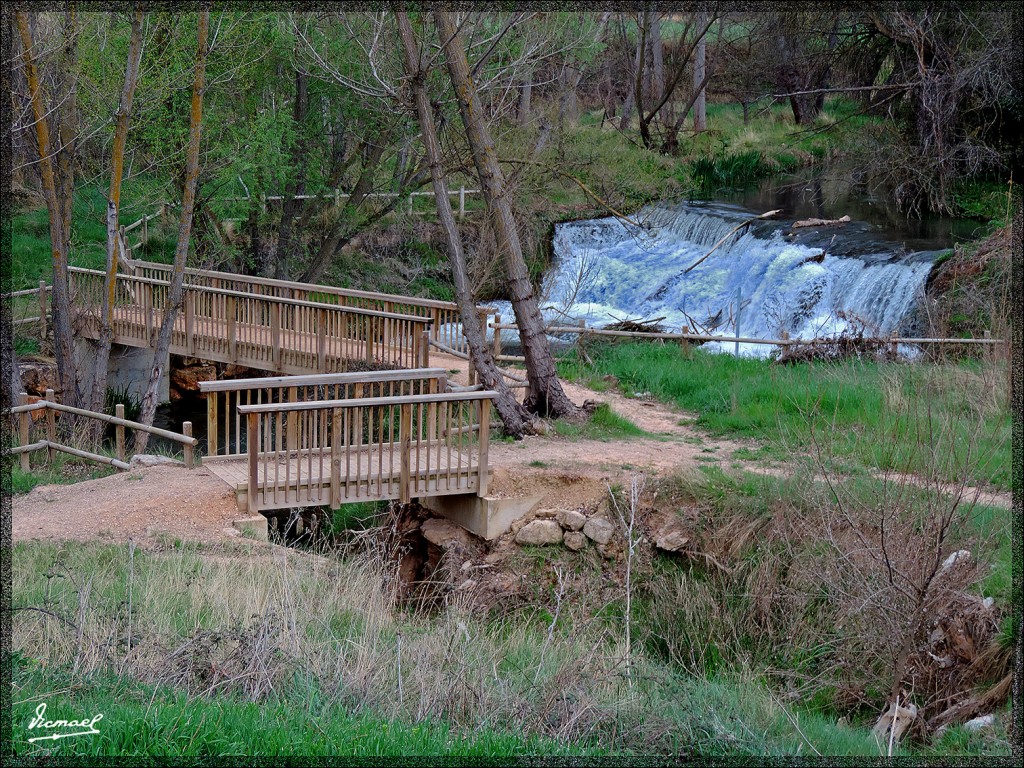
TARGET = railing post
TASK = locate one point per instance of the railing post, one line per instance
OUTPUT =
(462, 201)
(51, 426)
(336, 441)
(190, 322)
(292, 435)
(147, 307)
(186, 430)
(425, 349)
(211, 424)
(275, 333)
(404, 448)
(119, 432)
(369, 339)
(252, 431)
(229, 308)
(485, 437)
(42, 309)
(496, 351)
(24, 420)
(321, 340)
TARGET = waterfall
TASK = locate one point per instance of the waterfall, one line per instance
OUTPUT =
(608, 270)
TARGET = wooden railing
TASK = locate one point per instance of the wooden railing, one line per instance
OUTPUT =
(26, 420)
(445, 316)
(330, 452)
(261, 331)
(225, 432)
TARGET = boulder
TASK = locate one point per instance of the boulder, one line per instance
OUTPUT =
(670, 540)
(445, 534)
(150, 460)
(599, 530)
(36, 378)
(539, 533)
(570, 519)
(575, 540)
(187, 379)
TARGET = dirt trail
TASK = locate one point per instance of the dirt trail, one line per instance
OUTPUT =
(197, 505)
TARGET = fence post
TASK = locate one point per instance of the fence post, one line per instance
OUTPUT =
(425, 349)
(496, 349)
(24, 420)
(42, 310)
(119, 432)
(211, 424)
(369, 340)
(186, 430)
(145, 229)
(462, 201)
(51, 426)
(321, 340)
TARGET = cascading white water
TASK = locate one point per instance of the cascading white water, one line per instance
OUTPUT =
(607, 270)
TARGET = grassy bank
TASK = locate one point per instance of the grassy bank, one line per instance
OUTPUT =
(857, 416)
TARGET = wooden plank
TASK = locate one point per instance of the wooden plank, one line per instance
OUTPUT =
(485, 428)
(336, 432)
(119, 432)
(86, 455)
(211, 425)
(322, 379)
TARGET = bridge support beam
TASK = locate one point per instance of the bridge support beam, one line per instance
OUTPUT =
(127, 368)
(486, 516)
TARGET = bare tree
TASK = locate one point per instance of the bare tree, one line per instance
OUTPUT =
(188, 200)
(700, 117)
(58, 183)
(124, 108)
(512, 415)
(545, 396)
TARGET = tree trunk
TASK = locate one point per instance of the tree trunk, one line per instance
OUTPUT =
(525, 92)
(124, 108)
(700, 119)
(658, 63)
(545, 395)
(291, 206)
(56, 191)
(188, 201)
(8, 358)
(513, 416)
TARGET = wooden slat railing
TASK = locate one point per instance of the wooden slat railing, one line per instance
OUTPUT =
(25, 445)
(330, 452)
(225, 429)
(261, 331)
(447, 321)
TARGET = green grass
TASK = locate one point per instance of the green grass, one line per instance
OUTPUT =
(878, 416)
(604, 424)
(147, 721)
(63, 470)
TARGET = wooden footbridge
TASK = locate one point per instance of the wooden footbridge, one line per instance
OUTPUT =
(331, 432)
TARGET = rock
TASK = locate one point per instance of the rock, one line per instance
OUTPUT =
(599, 530)
(670, 540)
(570, 519)
(896, 718)
(980, 723)
(187, 379)
(954, 558)
(36, 378)
(233, 371)
(150, 460)
(445, 534)
(575, 540)
(539, 533)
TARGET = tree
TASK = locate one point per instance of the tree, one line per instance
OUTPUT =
(188, 198)
(545, 396)
(57, 182)
(124, 108)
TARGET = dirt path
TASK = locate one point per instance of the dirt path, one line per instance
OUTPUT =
(169, 500)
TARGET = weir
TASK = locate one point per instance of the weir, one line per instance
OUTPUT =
(775, 282)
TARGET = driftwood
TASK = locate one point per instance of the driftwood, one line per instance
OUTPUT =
(637, 326)
(820, 222)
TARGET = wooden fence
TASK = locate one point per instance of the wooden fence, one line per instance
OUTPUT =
(330, 452)
(224, 424)
(261, 331)
(25, 444)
